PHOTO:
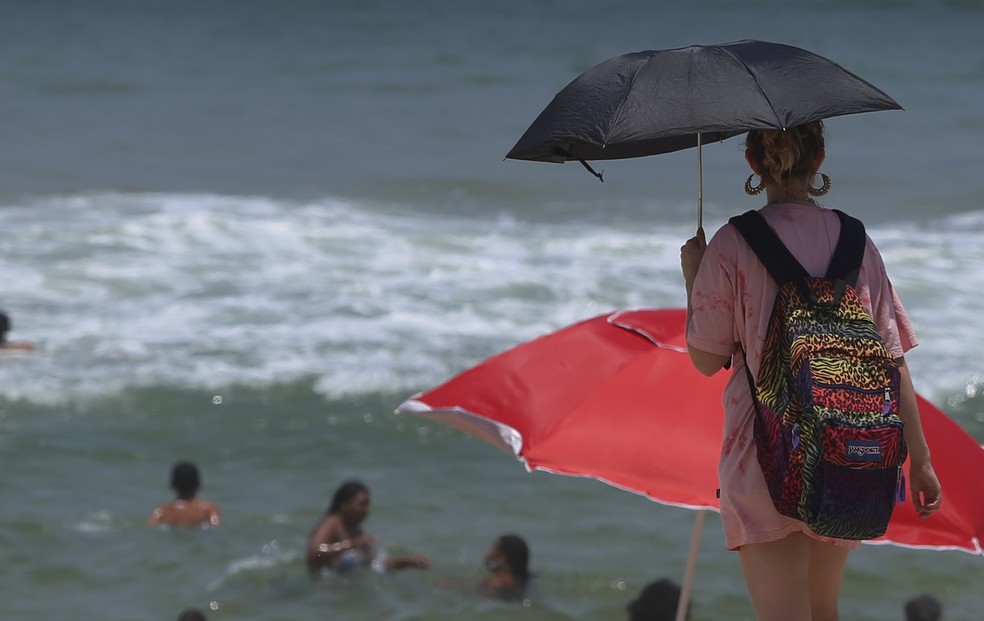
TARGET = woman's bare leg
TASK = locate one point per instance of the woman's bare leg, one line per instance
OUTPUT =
(827, 564)
(794, 579)
(777, 576)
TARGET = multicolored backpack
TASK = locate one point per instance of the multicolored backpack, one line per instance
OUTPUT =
(827, 426)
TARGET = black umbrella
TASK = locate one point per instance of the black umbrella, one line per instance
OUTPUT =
(658, 101)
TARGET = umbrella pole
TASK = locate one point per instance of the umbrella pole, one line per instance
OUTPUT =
(700, 184)
(688, 577)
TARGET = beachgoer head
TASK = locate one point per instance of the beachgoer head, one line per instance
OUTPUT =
(185, 480)
(512, 552)
(786, 155)
(657, 602)
(923, 608)
(191, 614)
(4, 327)
(351, 501)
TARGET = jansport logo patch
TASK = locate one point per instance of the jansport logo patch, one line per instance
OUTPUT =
(864, 450)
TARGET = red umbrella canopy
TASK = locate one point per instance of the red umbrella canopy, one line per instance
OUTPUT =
(959, 463)
(616, 398)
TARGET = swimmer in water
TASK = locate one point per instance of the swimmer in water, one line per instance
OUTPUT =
(338, 543)
(508, 560)
(657, 601)
(186, 510)
(10, 346)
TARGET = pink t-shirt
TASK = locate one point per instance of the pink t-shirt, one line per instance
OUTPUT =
(732, 300)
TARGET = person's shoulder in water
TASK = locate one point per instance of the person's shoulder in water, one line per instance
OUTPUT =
(10, 346)
(186, 509)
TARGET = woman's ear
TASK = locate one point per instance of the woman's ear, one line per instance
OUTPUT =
(818, 162)
(752, 163)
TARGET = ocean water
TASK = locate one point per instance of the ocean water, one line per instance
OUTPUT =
(242, 233)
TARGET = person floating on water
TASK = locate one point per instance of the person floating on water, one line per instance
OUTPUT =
(338, 543)
(508, 560)
(10, 346)
(186, 510)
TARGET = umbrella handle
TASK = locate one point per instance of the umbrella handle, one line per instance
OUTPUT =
(688, 576)
(700, 184)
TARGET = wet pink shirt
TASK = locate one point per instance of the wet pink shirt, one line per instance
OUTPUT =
(732, 300)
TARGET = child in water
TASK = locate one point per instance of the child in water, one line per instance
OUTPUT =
(186, 510)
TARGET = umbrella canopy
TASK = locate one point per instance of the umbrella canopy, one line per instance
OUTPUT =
(658, 101)
(616, 398)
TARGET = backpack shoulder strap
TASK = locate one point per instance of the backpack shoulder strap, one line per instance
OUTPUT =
(846, 263)
(777, 259)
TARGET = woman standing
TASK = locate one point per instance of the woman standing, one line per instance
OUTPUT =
(792, 574)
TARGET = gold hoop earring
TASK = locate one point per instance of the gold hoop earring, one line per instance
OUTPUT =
(823, 189)
(753, 190)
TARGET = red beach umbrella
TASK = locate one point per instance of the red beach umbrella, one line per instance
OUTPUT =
(595, 399)
(615, 398)
(959, 463)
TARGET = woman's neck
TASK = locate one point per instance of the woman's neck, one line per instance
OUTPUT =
(791, 193)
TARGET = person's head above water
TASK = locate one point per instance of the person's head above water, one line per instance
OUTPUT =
(512, 551)
(185, 480)
(923, 608)
(191, 614)
(657, 601)
(6, 326)
(351, 501)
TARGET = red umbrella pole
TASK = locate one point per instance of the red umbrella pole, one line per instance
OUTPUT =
(688, 576)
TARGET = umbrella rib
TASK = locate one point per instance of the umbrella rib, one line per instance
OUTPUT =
(620, 107)
(758, 86)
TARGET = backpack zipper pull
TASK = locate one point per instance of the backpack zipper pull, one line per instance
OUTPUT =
(901, 483)
(888, 401)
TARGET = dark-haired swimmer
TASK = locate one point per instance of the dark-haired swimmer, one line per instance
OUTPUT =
(186, 510)
(10, 346)
(191, 614)
(657, 601)
(509, 561)
(338, 543)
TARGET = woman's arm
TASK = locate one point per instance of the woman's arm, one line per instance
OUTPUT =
(691, 254)
(406, 562)
(329, 541)
(924, 487)
(706, 362)
(325, 543)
